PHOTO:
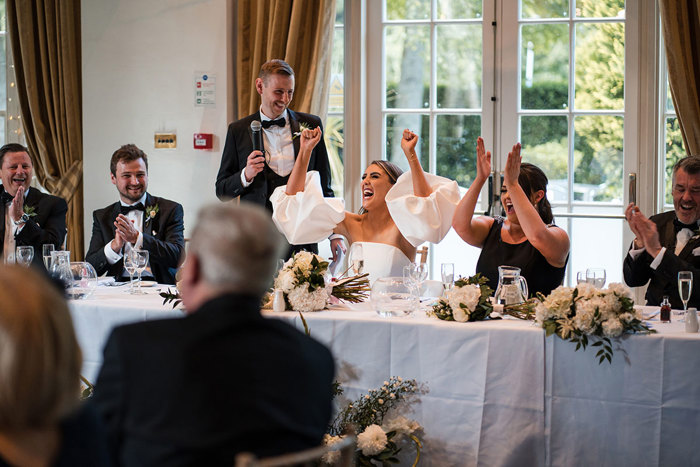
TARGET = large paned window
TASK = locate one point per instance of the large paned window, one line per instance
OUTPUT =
(550, 74)
(334, 126)
(571, 117)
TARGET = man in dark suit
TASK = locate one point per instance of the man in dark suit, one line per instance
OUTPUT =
(138, 220)
(669, 242)
(244, 172)
(224, 379)
(29, 217)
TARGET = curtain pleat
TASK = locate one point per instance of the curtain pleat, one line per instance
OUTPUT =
(45, 41)
(680, 21)
(298, 31)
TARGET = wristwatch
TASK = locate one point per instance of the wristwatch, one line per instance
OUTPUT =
(23, 219)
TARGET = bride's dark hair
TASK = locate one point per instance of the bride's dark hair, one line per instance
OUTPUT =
(392, 170)
(533, 179)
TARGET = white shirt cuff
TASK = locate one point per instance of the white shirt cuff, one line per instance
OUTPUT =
(245, 182)
(634, 253)
(335, 236)
(655, 264)
(111, 256)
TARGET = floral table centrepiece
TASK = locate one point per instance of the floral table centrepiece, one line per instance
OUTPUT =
(584, 313)
(468, 300)
(382, 431)
(304, 282)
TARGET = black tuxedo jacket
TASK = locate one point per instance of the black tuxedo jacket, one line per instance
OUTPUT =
(47, 226)
(664, 280)
(163, 237)
(197, 390)
(239, 146)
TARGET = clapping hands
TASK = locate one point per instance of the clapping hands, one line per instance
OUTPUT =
(512, 170)
(483, 160)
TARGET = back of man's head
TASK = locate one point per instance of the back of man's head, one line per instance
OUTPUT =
(237, 247)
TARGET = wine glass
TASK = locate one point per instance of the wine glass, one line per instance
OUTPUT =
(130, 266)
(46, 250)
(358, 262)
(685, 287)
(419, 272)
(141, 262)
(24, 255)
(447, 271)
(596, 276)
(581, 277)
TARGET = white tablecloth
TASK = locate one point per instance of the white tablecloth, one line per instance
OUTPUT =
(500, 393)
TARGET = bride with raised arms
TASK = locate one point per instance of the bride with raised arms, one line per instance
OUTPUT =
(399, 210)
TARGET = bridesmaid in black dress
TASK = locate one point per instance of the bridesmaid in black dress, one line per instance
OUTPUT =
(526, 237)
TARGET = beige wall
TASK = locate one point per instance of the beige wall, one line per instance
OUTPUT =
(139, 63)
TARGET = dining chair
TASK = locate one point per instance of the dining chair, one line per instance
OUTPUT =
(308, 457)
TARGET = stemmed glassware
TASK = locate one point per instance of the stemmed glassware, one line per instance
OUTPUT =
(46, 250)
(130, 266)
(447, 271)
(24, 255)
(140, 260)
(596, 276)
(581, 277)
(685, 288)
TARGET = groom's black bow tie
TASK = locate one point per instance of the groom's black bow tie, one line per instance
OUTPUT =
(134, 207)
(678, 225)
(281, 122)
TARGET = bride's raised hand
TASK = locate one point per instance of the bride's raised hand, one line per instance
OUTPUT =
(309, 139)
(408, 143)
(512, 170)
(483, 160)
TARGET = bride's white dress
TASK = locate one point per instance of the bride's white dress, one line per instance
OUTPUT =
(308, 217)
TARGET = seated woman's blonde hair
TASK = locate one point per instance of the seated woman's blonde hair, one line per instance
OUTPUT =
(39, 354)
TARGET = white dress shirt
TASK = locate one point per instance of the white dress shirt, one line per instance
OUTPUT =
(136, 217)
(279, 147)
(682, 238)
(11, 230)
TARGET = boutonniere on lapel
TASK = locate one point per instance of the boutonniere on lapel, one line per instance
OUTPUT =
(151, 212)
(29, 210)
(302, 126)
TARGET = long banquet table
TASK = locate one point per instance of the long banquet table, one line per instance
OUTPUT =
(499, 392)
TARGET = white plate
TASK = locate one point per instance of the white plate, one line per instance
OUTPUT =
(147, 283)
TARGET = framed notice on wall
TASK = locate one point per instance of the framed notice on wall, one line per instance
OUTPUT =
(204, 90)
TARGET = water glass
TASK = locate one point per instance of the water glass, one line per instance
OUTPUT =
(46, 250)
(130, 266)
(24, 255)
(581, 277)
(447, 271)
(596, 276)
(685, 288)
(140, 260)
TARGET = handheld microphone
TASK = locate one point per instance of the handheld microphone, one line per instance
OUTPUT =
(256, 136)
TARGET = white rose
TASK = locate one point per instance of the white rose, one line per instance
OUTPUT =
(460, 315)
(468, 295)
(612, 328)
(372, 441)
(302, 300)
(401, 425)
(285, 281)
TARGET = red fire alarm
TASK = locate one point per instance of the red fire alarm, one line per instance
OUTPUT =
(203, 141)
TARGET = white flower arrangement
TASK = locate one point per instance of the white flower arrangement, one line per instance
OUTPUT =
(582, 313)
(468, 300)
(304, 282)
(382, 431)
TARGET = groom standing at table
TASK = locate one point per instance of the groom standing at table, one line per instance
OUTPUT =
(29, 217)
(138, 220)
(245, 172)
(224, 379)
(669, 242)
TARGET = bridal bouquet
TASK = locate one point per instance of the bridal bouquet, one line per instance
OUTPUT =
(584, 313)
(468, 300)
(382, 432)
(303, 281)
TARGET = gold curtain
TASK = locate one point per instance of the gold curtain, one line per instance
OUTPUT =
(680, 21)
(45, 41)
(298, 31)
